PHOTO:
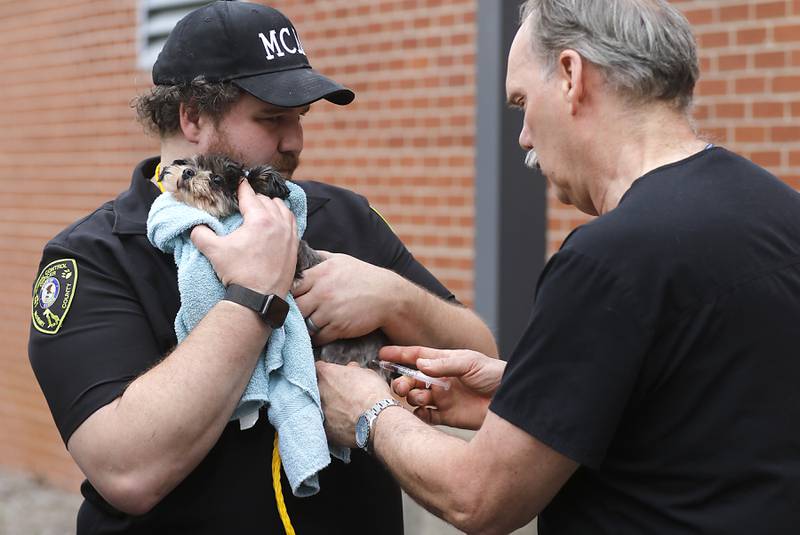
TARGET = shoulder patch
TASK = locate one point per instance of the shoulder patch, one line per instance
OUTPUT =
(52, 295)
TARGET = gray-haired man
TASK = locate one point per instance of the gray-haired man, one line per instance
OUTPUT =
(655, 389)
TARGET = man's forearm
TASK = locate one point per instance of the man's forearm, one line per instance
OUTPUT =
(139, 447)
(432, 467)
(422, 318)
(495, 483)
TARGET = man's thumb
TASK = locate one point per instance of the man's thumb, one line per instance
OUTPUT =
(203, 238)
(247, 197)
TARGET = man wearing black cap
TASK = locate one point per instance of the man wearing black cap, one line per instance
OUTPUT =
(148, 421)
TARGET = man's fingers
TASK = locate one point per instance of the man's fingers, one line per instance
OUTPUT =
(455, 366)
(203, 238)
(302, 286)
(420, 397)
(403, 385)
(325, 336)
(409, 354)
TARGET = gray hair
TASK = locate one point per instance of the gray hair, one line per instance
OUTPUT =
(644, 48)
(159, 108)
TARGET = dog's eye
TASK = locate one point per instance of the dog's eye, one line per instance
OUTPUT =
(217, 180)
(188, 173)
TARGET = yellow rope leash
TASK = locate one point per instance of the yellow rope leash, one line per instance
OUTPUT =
(276, 485)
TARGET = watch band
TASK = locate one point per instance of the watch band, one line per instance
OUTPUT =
(372, 415)
(270, 308)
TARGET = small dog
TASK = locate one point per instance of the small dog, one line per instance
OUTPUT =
(210, 183)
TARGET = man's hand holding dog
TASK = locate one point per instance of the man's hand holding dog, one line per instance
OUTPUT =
(345, 297)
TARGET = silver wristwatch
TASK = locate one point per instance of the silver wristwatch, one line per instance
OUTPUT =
(367, 420)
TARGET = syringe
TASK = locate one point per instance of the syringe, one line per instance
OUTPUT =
(414, 374)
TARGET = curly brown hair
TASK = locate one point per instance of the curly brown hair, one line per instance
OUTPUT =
(158, 109)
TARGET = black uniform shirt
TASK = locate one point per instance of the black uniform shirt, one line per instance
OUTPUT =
(663, 355)
(112, 319)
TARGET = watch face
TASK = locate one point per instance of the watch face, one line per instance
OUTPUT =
(362, 431)
(276, 312)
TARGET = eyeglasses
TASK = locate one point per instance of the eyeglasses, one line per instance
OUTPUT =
(531, 159)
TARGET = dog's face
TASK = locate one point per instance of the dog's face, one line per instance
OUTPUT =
(205, 182)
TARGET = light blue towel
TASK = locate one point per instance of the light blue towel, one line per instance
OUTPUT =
(284, 378)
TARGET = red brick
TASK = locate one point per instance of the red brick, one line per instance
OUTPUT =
(786, 84)
(795, 107)
(767, 109)
(713, 40)
(770, 60)
(786, 133)
(730, 110)
(794, 158)
(751, 36)
(422, 22)
(750, 85)
(771, 10)
(787, 33)
(750, 134)
(732, 62)
(732, 13)
(699, 16)
(712, 87)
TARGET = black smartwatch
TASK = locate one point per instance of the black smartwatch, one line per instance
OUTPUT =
(270, 308)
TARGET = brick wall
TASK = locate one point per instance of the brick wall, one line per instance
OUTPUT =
(407, 140)
(748, 98)
(68, 142)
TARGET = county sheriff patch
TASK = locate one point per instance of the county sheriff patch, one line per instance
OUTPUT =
(52, 295)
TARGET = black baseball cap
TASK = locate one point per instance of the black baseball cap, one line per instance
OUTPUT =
(253, 46)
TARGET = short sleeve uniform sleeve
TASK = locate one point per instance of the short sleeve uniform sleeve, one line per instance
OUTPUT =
(102, 342)
(570, 378)
(399, 259)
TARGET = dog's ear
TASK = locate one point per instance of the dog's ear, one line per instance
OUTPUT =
(233, 170)
(267, 181)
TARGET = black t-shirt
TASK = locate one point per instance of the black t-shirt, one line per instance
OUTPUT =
(663, 355)
(104, 308)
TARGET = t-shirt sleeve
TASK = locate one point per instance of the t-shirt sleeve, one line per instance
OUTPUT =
(570, 378)
(101, 343)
